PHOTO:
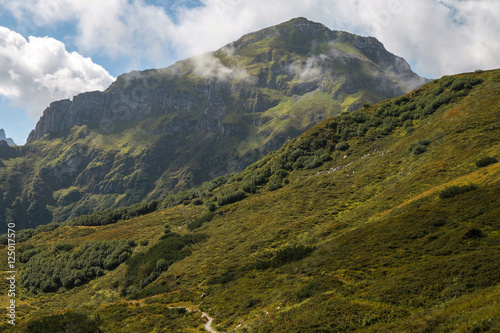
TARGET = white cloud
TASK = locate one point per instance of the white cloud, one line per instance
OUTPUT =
(113, 28)
(437, 36)
(206, 65)
(37, 71)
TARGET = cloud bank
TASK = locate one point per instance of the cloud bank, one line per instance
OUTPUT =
(37, 71)
(437, 37)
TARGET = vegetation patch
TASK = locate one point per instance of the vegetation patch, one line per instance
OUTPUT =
(452, 191)
(47, 272)
(145, 267)
(485, 161)
(419, 147)
(201, 220)
(66, 322)
(286, 255)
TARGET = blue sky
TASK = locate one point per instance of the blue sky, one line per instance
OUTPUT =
(51, 50)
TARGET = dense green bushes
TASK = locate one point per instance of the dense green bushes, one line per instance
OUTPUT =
(227, 197)
(452, 191)
(65, 322)
(419, 147)
(485, 161)
(201, 220)
(48, 272)
(145, 267)
(111, 216)
(286, 255)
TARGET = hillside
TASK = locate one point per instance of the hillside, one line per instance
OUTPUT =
(165, 130)
(385, 219)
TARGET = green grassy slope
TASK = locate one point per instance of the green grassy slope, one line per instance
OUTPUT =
(374, 221)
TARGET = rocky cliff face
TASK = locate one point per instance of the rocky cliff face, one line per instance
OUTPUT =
(299, 50)
(158, 131)
(9, 141)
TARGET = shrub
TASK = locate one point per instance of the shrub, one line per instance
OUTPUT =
(25, 256)
(111, 216)
(473, 233)
(419, 147)
(161, 265)
(452, 191)
(65, 322)
(197, 202)
(465, 83)
(307, 291)
(314, 163)
(58, 247)
(343, 146)
(249, 186)
(145, 242)
(227, 198)
(223, 278)
(276, 182)
(201, 220)
(150, 291)
(211, 206)
(286, 255)
(485, 161)
(144, 267)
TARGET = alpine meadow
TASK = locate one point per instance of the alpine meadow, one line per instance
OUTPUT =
(296, 180)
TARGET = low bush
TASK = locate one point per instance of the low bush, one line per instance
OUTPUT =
(473, 233)
(151, 291)
(286, 255)
(485, 161)
(211, 206)
(197, 202)
(419, 147)
(307, 291)
(452, 191)
(65, 322)
(343, 146)
(60, 247)
(229, 197)
(201, 220)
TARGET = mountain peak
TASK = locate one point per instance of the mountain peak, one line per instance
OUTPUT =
(162, 130)
(9, 141)
(302, 40)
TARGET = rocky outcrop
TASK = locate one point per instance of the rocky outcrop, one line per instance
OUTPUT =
(9, 141)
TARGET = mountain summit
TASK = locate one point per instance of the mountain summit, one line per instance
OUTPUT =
(164, 130)
(9, 141)
(296, 57)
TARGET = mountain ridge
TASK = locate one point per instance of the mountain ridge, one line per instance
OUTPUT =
(374, 49)
(162, 131)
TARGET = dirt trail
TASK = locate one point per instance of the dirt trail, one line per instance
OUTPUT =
(208, 325)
